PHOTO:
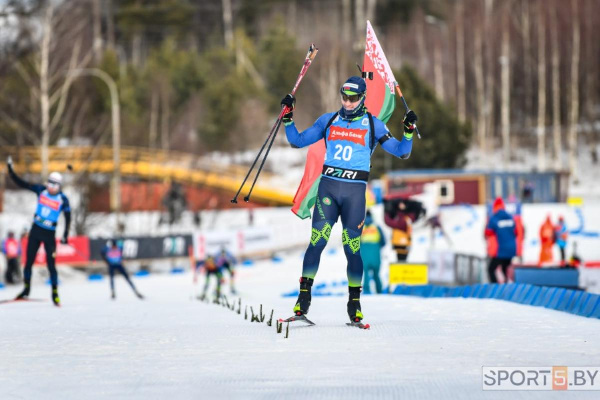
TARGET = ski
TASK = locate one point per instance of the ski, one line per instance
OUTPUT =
(7, 301)
(300, 318)
(359, 325)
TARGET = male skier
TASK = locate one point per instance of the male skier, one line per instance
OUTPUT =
(51, 202)
(113, 255)
(350, 135)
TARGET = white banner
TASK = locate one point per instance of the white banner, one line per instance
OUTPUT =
(441, 266)
(238, 242)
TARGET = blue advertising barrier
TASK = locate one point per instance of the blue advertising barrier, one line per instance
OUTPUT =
(574, 302)
(567, 278)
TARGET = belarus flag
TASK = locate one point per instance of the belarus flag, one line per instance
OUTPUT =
(380, 102)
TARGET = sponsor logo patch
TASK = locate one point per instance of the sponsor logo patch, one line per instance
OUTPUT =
(352, 135)
(327, 201)
(53, 204)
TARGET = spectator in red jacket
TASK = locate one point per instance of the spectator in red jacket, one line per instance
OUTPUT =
(12, 251)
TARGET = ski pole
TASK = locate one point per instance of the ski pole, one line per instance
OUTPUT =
(234, 200)
(310, 56)
(275, 128)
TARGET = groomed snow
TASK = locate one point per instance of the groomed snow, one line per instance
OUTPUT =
(170, 346)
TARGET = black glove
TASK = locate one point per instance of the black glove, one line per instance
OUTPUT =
(410, 122)
(288, 101)
(65, 240)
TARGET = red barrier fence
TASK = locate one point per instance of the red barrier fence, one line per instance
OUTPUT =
(76, 252)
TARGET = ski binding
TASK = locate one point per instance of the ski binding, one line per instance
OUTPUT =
(359, 325)
(300, 318)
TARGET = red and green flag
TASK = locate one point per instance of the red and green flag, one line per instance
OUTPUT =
(380, 102)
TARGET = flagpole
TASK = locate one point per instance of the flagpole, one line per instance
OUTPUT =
(405, 105)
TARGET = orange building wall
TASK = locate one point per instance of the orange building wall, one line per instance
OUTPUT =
(148, 196)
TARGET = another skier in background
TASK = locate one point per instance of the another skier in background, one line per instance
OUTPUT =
(561, 234)
(51, 202)
(501, 225)
(226, 261)
(210, 267)
(12, 251)
(372, 241)
(350, 135)
(113, 255)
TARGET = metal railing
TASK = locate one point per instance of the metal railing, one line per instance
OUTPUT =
(147, 164)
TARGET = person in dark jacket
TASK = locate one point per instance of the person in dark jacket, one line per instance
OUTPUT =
(501, 225)
(399, 214)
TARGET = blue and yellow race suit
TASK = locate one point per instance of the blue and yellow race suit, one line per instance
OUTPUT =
(341, 193)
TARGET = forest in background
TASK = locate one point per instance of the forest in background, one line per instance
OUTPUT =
(208, 75)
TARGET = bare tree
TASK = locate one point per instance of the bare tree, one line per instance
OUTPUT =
(359, 18)
(480, 104)
(110, 25)
(556, 91)
(591, 89)
(541, 72)
(526, 62)
(460, 60)
(505, 84)
(574, 94)
(489, 75)
(227, 22)
(48, 77)
(438, 67)
(165, 107)
(153, 130)
(44, 89)
(97, 26)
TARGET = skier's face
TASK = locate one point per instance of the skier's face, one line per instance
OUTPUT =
(350, 102)
(53, 187)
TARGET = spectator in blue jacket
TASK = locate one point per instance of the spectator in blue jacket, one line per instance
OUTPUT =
(372, 241)
(561, 234)
(503, 227)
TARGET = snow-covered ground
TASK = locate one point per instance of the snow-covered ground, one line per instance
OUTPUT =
(171, 346)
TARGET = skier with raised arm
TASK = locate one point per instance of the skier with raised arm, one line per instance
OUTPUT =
(51, 201)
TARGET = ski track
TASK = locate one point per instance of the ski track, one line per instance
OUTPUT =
(171, 346)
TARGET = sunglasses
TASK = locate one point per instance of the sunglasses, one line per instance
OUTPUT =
(353, 98)
(53, 185)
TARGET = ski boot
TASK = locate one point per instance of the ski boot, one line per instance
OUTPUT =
(354, 304)
(113, 295)
(55, 298)
(303, 302)
(24, 295)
